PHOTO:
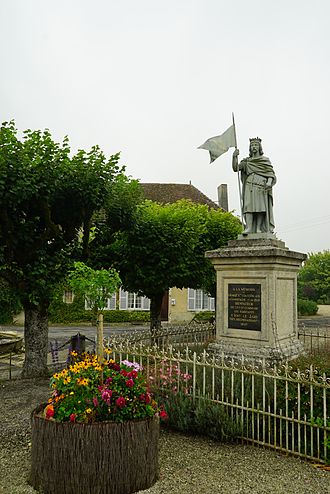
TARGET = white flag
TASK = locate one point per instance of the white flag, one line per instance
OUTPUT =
(220, 144)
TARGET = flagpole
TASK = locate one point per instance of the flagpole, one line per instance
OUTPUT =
(238, 173)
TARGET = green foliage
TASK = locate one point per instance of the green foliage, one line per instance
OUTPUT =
(314, 278)
(95, 285)
(199, 416)
(62, 313)
(46, 197)
(317, 364)
(9, 303)
(165, 247)
(93, 391)
(204, 316)
(307, 307)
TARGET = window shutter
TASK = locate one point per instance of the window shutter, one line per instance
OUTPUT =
(191, 299)
(123, 300)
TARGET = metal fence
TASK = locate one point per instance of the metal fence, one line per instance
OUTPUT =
(193, 334)
(315, 339)
(276, 407)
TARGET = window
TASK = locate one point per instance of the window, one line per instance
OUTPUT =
(198, 300)
(132, 301)
(68, 297)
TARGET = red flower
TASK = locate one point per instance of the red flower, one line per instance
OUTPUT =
(163, 415)
(124, 372)
(121, 402)
(49, 411)
(73, 417)
(130, 383)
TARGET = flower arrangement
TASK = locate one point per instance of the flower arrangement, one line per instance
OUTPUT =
(170, 377)
(92, 391)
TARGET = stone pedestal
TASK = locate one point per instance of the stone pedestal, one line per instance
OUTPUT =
(256, 298)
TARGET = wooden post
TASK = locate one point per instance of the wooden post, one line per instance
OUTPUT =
(99, 337)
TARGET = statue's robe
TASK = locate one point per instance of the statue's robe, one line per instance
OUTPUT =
(255, 171)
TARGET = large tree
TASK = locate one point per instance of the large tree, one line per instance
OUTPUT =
(314, 277)
(47, 201)
(165, 247)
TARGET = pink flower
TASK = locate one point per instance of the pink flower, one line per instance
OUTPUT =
(95, 402)
(108, 380)
(73, 417)
(121, 402)
(106, 395)
(130, 383)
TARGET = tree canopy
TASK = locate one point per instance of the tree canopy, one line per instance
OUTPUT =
(314, 278)
(165, 247)
(46, 199)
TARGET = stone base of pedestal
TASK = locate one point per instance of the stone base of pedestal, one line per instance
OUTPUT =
(256, 298)
(270, 355)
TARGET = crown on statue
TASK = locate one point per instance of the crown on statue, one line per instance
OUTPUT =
(255, 139)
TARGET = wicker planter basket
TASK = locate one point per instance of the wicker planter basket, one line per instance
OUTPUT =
(98, 458)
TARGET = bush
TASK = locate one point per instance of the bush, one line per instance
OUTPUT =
(204, 316)
(63, 313)
(307, 307)
(199, 416)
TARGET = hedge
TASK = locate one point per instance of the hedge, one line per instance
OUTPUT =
(63, 313)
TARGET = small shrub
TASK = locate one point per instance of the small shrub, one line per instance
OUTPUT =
(199, 416)
(204, 316)
(307, 307)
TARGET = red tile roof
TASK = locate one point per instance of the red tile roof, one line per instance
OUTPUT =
(168, 193)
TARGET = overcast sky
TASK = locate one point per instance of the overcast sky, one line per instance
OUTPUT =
(154, 79)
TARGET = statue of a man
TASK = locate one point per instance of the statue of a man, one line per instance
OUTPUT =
(258, 178)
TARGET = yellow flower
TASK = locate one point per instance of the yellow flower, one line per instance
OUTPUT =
(71, 392)
(107, 351)
(82, 381)
(66, 380)
(88, 410)
(74, 353)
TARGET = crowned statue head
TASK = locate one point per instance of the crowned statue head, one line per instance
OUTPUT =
(255, 145)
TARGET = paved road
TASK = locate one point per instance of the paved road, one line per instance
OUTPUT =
(63, 333)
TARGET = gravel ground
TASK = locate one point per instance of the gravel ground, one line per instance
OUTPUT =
(188, 464)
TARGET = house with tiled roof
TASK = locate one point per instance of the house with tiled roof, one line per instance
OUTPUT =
(168, 193)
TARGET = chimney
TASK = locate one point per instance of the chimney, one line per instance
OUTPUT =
(223, 196)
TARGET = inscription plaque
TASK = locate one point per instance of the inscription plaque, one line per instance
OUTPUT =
(244, 306)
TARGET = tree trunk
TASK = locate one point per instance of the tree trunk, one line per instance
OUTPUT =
(36, 340)
(155, 312)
